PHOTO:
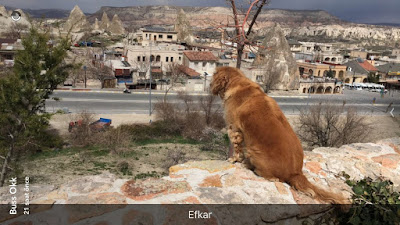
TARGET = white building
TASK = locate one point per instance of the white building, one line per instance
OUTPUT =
(162, 55)
(201, 62)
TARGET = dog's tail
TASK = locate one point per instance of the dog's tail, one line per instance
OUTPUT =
(301, 183)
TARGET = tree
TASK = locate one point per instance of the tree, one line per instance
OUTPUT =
(174, 74)
(101, 72)
(242, 37)
(330, 73)
(38, 69)
(372, 78)
(271, 80)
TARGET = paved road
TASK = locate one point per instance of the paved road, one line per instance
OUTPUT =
(118, 103)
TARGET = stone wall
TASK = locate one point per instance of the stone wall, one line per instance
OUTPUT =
(206, 186)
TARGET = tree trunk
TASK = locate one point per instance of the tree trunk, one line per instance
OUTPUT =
(240, 48)
(5, 164)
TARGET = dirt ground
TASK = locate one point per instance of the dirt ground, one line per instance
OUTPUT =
(152, 160)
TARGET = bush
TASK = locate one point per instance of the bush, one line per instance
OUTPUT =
(114, 139)
(81, 133)
(174, 157)
(192, 116)
(324, 125)
(374, 202)
(124, 168)
(215, 141)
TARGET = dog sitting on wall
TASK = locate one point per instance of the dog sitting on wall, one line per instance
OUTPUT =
(272, 146)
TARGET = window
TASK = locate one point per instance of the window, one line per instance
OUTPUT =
(138, 58)
(204, 64)
(180, 58)
(144, 58)
(172, 59)
(169, 36)
(166, 59)
(259, 78)
(328, 48)
(196, 63)
(160, 36)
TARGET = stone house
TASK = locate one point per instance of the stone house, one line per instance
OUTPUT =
(150, 35)
(162, 55)
(8, 49)
(389, 75)
(201, 62)
(307, 69)
(357, 71)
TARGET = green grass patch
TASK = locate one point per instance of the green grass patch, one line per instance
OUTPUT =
(53, 153)
(100, 165)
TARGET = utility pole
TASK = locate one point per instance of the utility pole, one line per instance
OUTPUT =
(150, 80)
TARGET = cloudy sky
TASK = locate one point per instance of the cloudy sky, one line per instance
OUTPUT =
(368, 11)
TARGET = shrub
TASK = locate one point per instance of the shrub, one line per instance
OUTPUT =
(192, 116)
(324, 125)
(174, 157)
(114, 139)
(215, 140)
(124, 168)
(374, 202)
(81, 133)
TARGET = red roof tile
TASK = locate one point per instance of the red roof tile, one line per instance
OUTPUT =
(188, 71)
(200, 56)
(368, 66)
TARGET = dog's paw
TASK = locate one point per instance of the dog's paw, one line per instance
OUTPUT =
(232, 160)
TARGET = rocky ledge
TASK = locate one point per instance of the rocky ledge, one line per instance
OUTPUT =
(205, 184)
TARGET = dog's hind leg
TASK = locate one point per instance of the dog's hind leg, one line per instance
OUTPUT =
(236, 138)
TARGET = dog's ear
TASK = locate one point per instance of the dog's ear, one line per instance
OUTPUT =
(219, 82)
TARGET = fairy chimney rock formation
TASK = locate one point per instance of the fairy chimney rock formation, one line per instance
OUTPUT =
(77, 20)
(105, 22)
(116, 26)
(96, 25)
(275, 57)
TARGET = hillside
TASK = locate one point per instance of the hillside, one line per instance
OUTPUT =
(44, 13)
(134, 17)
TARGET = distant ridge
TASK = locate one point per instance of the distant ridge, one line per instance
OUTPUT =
(46, 13)
(385, 24)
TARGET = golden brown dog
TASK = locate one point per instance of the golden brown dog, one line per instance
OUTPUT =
(272, 147)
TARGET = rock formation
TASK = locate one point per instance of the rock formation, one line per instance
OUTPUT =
(116, 27)
(105, 22)
(6, 23)
(3, 12)
(208, 183)
(96, 25)
(76, 21)
(182, 26)
(276, 59)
